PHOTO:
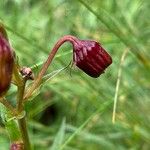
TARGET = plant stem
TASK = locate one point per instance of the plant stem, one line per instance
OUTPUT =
(22, 121)
(25, 136)
(37, 81)
(21, 89)
(17, 78)
(21, 82)
(118, 84)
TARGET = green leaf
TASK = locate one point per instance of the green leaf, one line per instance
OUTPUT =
(58, 141)
(100, 110)
(10, 124)
(51, 75)
(45, 79)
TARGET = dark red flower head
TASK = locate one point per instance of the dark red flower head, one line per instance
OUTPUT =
(90, 57)
(6, 62)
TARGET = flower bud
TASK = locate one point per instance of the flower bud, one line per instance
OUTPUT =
(6, 62)
(27, 73)
(17, 146)
(91, 57)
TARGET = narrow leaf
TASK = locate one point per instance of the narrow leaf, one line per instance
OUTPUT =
(58, 141)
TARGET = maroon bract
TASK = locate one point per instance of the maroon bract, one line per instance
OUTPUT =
(6, 64)
(91, 57)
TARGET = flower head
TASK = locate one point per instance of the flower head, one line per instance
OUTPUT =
(90, 57)
(6, 62)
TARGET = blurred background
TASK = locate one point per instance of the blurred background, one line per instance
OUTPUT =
(74, 111)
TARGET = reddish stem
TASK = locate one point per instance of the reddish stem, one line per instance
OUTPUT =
(52, 54)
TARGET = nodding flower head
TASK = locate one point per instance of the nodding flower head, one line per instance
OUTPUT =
(90, 57)
(6, 62)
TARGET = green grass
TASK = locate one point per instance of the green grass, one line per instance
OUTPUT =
(86, 104)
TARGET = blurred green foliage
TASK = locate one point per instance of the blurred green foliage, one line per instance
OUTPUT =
(86, 104)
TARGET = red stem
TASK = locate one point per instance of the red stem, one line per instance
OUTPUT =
(52, 54)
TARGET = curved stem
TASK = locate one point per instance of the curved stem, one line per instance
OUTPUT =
(37, 81)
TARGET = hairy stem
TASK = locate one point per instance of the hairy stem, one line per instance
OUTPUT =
(37, 81)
